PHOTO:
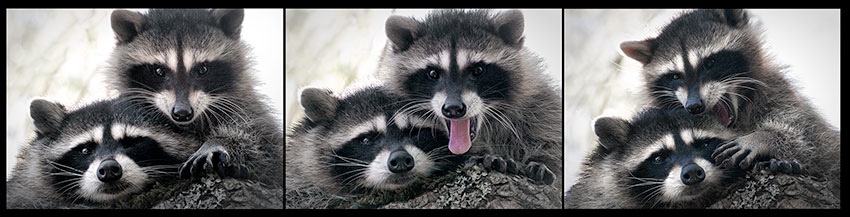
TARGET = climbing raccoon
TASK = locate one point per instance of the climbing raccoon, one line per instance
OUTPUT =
(469, 71)
(191, 67)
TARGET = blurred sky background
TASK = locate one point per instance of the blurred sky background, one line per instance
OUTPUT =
(60, 55)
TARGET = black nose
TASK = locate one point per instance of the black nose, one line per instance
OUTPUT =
(692, 174)
(454, 110)
(695, 106)
(400, 161)
(181, 112)
(109, 171)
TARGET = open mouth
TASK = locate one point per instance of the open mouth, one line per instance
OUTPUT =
(724, 113)
(461, 134)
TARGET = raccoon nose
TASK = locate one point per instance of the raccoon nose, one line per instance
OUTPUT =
(695, 106)
(400, 161)
(109, 171)
(692, 174)
(454, 110)
(181, 113)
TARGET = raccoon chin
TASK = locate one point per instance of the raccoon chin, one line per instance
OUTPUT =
(461, 137)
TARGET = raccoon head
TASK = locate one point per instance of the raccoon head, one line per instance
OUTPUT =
(92, 154)
(188, 64)
(364, 144)
(458, 67)
(661, 159)
(703, 61)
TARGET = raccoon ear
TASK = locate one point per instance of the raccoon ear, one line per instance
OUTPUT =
(510, 24)
(230, 21)
(639, 50)
(47, 116)
(402, 31)
(127, 25)
(735, 17)
(319, 104)
(612, 132)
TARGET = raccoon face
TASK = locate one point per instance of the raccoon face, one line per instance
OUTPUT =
(663, 157)
(183, 63)
(365, 144)
(388, 157)
(457, 67)
(676, 169)
(91, 155)
(701, 62)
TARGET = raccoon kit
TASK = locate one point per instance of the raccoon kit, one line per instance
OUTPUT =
(92, 156)
(714, 63)
(357, 143)
(191, 66)
(659, 159)
(469, 71)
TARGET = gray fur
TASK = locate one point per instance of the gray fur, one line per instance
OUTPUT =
(313, 145)
(607, 169)
(772, 119)
(238, 121)
(32, 182)
(525, 127)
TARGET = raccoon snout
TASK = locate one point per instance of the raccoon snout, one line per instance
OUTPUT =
(400, 161)
(695, 105)
(454, 109)
(109, 171)
(692, 174)
(181, 112)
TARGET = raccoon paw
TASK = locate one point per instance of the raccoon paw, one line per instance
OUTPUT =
(211, 157)
(791, 167)
(740, 152)
(493, 162)
(539, 173)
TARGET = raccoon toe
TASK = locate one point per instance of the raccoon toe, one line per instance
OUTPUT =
(722, 154)
(540, 173)
(791, 167)
(492, 162)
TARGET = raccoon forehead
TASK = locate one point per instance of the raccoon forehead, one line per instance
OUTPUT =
(444, 59)
(643, 152)
(404, 121)
(67, 142)
(377, 124)
(674, 56)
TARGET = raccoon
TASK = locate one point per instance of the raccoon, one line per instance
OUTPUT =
(92, 156)
(190, 66)
(469, 71)
(357, 143)
(659, 159)
(713, 62)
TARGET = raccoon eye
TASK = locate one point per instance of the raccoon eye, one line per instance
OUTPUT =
(709, 63)
(85, 151)
(203, 70)
(478, 70)
(675, 77)
(659, 159)
(159, 72)
(365, 141)
(433, 74)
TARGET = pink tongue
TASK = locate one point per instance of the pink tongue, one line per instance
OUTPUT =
(459, 136)
(723, 114)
